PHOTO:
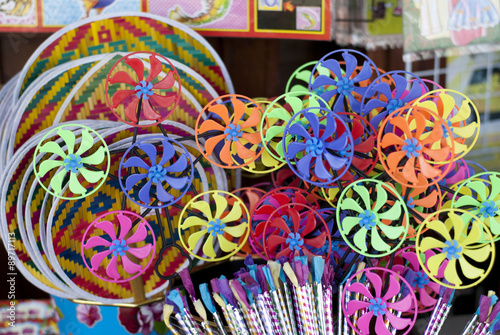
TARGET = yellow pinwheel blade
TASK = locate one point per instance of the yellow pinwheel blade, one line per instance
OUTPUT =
(226, 245)
(455, 221)
(192, 221)
(468, 270)
(440, 228)
(203, 207)
(434, 263)
(194, 238)
(450, 273)
(220, 205)
(479, 255)
(236, 231)
(208, 247)
(234, 214)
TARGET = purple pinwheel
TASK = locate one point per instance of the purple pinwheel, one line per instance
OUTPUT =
(343, 84)
(167, 173)
(386, 98)
(310, 143)
(384, 296)
(118, 247)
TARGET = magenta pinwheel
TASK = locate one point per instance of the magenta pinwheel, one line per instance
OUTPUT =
(383, 297)
(145, 95)
(344, 84)
(113, 248)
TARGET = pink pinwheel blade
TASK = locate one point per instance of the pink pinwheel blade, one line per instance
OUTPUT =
(112, 270)
(140, 234)
(363, 322)
(125, 225)
(393, 288)
(402, 305)
(95, 241)
(98, 258)
(360, 288)
(129, 266)
(376, 282)
(397, 322)
(141, 252)
(381, 327)
(425, 297)
(354, 305)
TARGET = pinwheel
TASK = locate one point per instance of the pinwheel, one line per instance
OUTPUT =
(214, 228)
(381, 99)
(268, 204)
(299, 79)
(345, 86)
(456, 245)
(298, 232)
(425, 290)
(171, 171)
(407, 147)
(152, 97)
(312, 144)
(278, 114)
(458, 171)
(480, 195)
(375, 210)
(90, 163)
(233, 131)
(135, 242)
(376, 301)
(456, 110)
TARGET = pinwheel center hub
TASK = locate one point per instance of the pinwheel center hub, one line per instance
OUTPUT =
(315, 146)
(377, 306)
(72, 163)
(216, 227)
(488, 209)
(345, 152)
(295, 241)
(445, 131)
(233, 132)
(345, 86)
(421, 280)
(288, 220)
(144, 90)
(394, 104)
(410, 203)
(157, 173)
(118, 247)
(453, 250)
(368, 219)
(412, 148)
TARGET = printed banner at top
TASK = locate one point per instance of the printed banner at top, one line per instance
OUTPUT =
(301, 19)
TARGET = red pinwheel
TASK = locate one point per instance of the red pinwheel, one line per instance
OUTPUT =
(296, 233)
(152, 97)
(380, 297)
(408, 148)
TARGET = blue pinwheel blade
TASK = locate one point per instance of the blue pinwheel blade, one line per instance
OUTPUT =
(350, 64)
(323, 80)
(297, 129)
(136, 162)
(334, 66)
(150, 150)
(304, 164)
(401, 84)
(320, 170)
(314, 122)
(384, 89)
(162, 194)
(373, 104)
(335, 163)
(134, 179)
(144, 192)
(339, 144)
(364, 74)
(378, 119)
(294, 148)
(179, 166)
(168, 152)
(417, 90)
(177, 183)
(331, 126)
(354, 103)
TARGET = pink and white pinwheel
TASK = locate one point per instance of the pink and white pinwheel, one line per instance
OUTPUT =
(150, 96)
(377, 300)
(113, 248)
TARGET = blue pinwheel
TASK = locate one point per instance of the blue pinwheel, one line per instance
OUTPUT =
(388, 98)
(171, 172)
(345, 84)
(315, 143)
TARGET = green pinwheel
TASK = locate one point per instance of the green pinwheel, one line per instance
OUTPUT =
(71, 162)
(373, 213)
(480, 195)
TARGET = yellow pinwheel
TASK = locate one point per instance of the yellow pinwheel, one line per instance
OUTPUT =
(453, 250)
(209, 220)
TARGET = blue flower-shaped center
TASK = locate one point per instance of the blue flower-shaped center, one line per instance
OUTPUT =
(368, 219)
(288, 220)
(410, 203)
(315, 146)
(453, 250)
(144, 90)
(445, 131)
(412, 148)
(295, 241)
(345, 152)
(233, 132)
(377, 306)
(394, 104)
(345, 86)
(72, 163)
(216, 227)
(118, 247)
(488, 209)
(420, 280)
(157, 173)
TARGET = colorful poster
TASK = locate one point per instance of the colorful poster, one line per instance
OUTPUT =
(450, 25)
(305, 19)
